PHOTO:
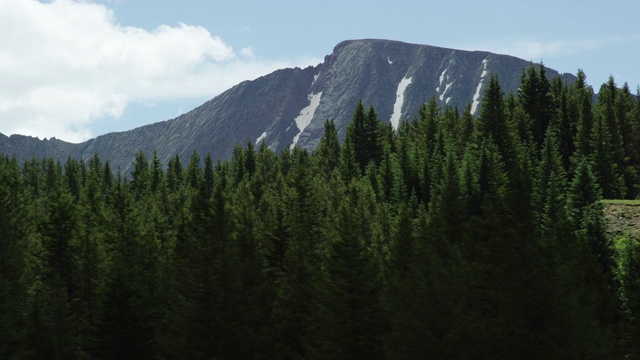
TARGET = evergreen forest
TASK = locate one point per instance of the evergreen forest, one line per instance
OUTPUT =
(452, 237)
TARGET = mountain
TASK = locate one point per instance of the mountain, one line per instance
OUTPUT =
(289, 106)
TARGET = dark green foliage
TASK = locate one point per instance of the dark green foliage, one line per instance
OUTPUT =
(366, 133)
(492, 123)
(327, 154)
(535, 97)
(603, 161)
(13, 291)
(453, 238)
(549, 191)
(580, 95)
(628, 273)
(352, 319)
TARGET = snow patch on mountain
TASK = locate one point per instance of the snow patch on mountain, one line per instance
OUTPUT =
(476, 97)
(397, 106)
(306, 115)
(261, 137)
(446, 88)
(389, 60)
(442, 78)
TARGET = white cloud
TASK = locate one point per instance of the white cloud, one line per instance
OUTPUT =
(247, 53)
(536, 50)
(65, 64)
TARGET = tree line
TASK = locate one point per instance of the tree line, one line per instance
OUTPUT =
(452, 237)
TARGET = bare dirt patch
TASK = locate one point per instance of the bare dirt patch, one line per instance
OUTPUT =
(623, 219)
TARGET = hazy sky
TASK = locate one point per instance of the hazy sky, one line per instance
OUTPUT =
(78, 69)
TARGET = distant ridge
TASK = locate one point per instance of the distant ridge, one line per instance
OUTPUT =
(289, 106)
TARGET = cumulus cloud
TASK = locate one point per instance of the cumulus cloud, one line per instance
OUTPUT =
(65, 64)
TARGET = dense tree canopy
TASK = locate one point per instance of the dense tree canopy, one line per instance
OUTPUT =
(453, 237)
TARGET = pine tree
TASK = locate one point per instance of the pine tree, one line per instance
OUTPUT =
(356, 138)
(467, 127)
(581, 95)
(13, 291)
(72, 178)
(90, 257)
(448, 207)
(549, 187)
(57, 230)
(625, 104)
(565, 124)
(364, 134)
(492, 123)
(352, 324)
(209, 175)
(194, 172)
(603, 162)
(327, 154)
(250, 304)
(584, 192)
(124, 329)
(204, 260)
(428, 126)
(140, 177)
(627, 273)
(605, 109)
(300, 255)
(174, 173)
(157, 173)
(535, 96)
(407, 163)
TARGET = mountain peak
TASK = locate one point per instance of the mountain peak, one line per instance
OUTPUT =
(289, 106)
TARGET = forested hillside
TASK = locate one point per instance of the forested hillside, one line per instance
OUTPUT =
(454, 237)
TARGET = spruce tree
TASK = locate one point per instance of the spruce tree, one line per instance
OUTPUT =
(352, 323)
(581, 95)
(492, 123)
(204, 263)
(627, 273)
(603, 162)
(327, 154)
(549, 187)
(13, 291)
(535, 96)
(584, 192)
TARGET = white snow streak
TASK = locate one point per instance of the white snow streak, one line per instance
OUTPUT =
(397, 106)
(264, 134)
(476, 97)
(389, 60)
(446, 88)
(315, 77)
(304, 119)
(442, 77)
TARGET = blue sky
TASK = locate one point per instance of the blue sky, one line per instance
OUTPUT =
(79, 69)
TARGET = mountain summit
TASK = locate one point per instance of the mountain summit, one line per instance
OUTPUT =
(288, 107)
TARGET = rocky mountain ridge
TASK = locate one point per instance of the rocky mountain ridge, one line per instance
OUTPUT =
(289, 106)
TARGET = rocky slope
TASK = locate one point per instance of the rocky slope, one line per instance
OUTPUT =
(289, 106)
